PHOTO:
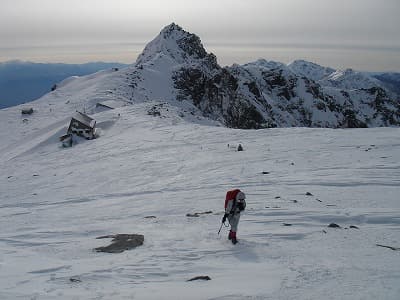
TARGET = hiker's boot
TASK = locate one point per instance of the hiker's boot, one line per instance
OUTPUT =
(233, 238)
(230, 235)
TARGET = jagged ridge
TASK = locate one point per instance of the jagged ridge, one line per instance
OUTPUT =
(270, 94)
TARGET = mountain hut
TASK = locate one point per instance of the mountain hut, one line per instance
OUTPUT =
(82, 125)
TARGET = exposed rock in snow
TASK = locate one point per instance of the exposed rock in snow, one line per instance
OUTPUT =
(198, 214)
(334, 225)
(121, 242)
(200, 278)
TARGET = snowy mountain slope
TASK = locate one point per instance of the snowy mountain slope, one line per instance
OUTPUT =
(390, 80)
(175, 68)
(361, 98)
(291, 100)
(310, 70)
(22, 82)
(344, 79)
(55, 202)
(162, 153)
(349, 79)
(53, 111)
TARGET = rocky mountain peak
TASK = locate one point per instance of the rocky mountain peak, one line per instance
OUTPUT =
(176, 43)
(169, 29)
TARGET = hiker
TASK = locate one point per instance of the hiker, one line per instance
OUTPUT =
(234, 204)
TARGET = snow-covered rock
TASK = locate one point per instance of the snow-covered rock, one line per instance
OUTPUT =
(310, 70)
(175, 42)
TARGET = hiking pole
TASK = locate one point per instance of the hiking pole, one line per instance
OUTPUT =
(222, 223)
(220, 228)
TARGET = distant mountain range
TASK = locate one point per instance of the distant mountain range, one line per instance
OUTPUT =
(22, 82)
(175, 68)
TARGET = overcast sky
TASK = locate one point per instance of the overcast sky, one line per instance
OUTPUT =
(353, 31)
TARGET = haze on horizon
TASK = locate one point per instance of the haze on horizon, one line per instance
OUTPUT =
(361, 34)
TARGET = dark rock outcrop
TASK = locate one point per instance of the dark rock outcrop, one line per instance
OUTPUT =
(334, 225)
(121, 242)
(199, 278)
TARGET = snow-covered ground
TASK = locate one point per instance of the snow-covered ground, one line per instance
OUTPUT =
(54, 202)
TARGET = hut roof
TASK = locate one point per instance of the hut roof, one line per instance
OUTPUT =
(84, 119)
